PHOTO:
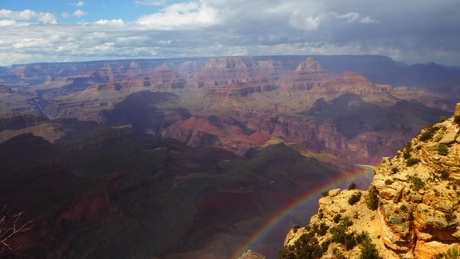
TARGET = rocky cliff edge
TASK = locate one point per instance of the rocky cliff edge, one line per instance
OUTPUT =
(411, 209)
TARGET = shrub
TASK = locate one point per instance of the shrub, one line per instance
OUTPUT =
(337, 218)
(412, 161)
(457, 120)
(368, 250)
(444, 174)
(307, 246)
(442, 149)
(426, 136)
(320, 215)
(442, 119)
(408, 147)
(325, 193)
(322, 229)
(451, 253)
(325, 245)
(418, 183)
(352, 186)
(371, 200)
(339, 232)
(354, 198)
(403, 208)
(388, 182)
(295, 228)
(406, 155)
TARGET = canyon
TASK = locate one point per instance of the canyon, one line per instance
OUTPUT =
(181, 158)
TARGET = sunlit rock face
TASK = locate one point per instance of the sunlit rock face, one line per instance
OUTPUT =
(411, 209)
(226, 71)
(307, 75)
(350, 82)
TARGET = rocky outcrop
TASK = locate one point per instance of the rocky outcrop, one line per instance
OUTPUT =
(222, 131)
(350, 82)
(308, 74)
(226, 71)
(237, 90)
(418, 204)
(411, 209)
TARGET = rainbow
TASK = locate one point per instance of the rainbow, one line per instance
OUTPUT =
(274, 220)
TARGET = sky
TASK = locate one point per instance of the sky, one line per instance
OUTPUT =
(411, 31)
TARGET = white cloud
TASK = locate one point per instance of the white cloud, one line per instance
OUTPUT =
(152, 3)
(239, 27)
(79, 13)
(355, 17)
(299, 21)
(78, 4)
(183, 16)
(7, 22)
(28, 15)
(111, 22)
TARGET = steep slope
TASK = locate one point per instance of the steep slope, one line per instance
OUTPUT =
(115, 192)
(410, 211)
(307, 75)
(350, 82)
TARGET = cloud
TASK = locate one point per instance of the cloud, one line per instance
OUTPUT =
(78, 4)
(429, 32)
(304, 23)
(27, 15)
(152, 3)
(79, 13)
(111, 22)
(181, 16)
(355, 17)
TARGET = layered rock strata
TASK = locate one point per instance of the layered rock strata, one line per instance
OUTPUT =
(308, 74)
(411, 209)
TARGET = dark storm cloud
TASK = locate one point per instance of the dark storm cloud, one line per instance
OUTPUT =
(410, 31)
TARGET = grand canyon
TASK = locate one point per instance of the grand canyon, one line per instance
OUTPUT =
(192, 157)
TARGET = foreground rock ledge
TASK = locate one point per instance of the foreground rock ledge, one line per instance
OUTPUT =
(416, 194)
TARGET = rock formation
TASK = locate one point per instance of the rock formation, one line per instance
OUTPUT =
(308, 74)
(237, 90)
(225, 71)
(411, 209)
(350, 82)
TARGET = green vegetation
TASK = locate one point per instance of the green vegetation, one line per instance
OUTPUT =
(451, 253)
(322, 230)
(352, 186)
(354, 198)
(412, 161)
(388, 182)
(418, 183)
(457, 120)
(442, 149)
(368, 249)
(406, 155)
(442, 118)
(337, 218)
(307, 246)
(371, 200)
(428, 133)
(444, 174)
(403, 208)
(339, 232)
(426, 136)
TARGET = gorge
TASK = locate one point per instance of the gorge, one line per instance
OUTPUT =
(189, 158)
